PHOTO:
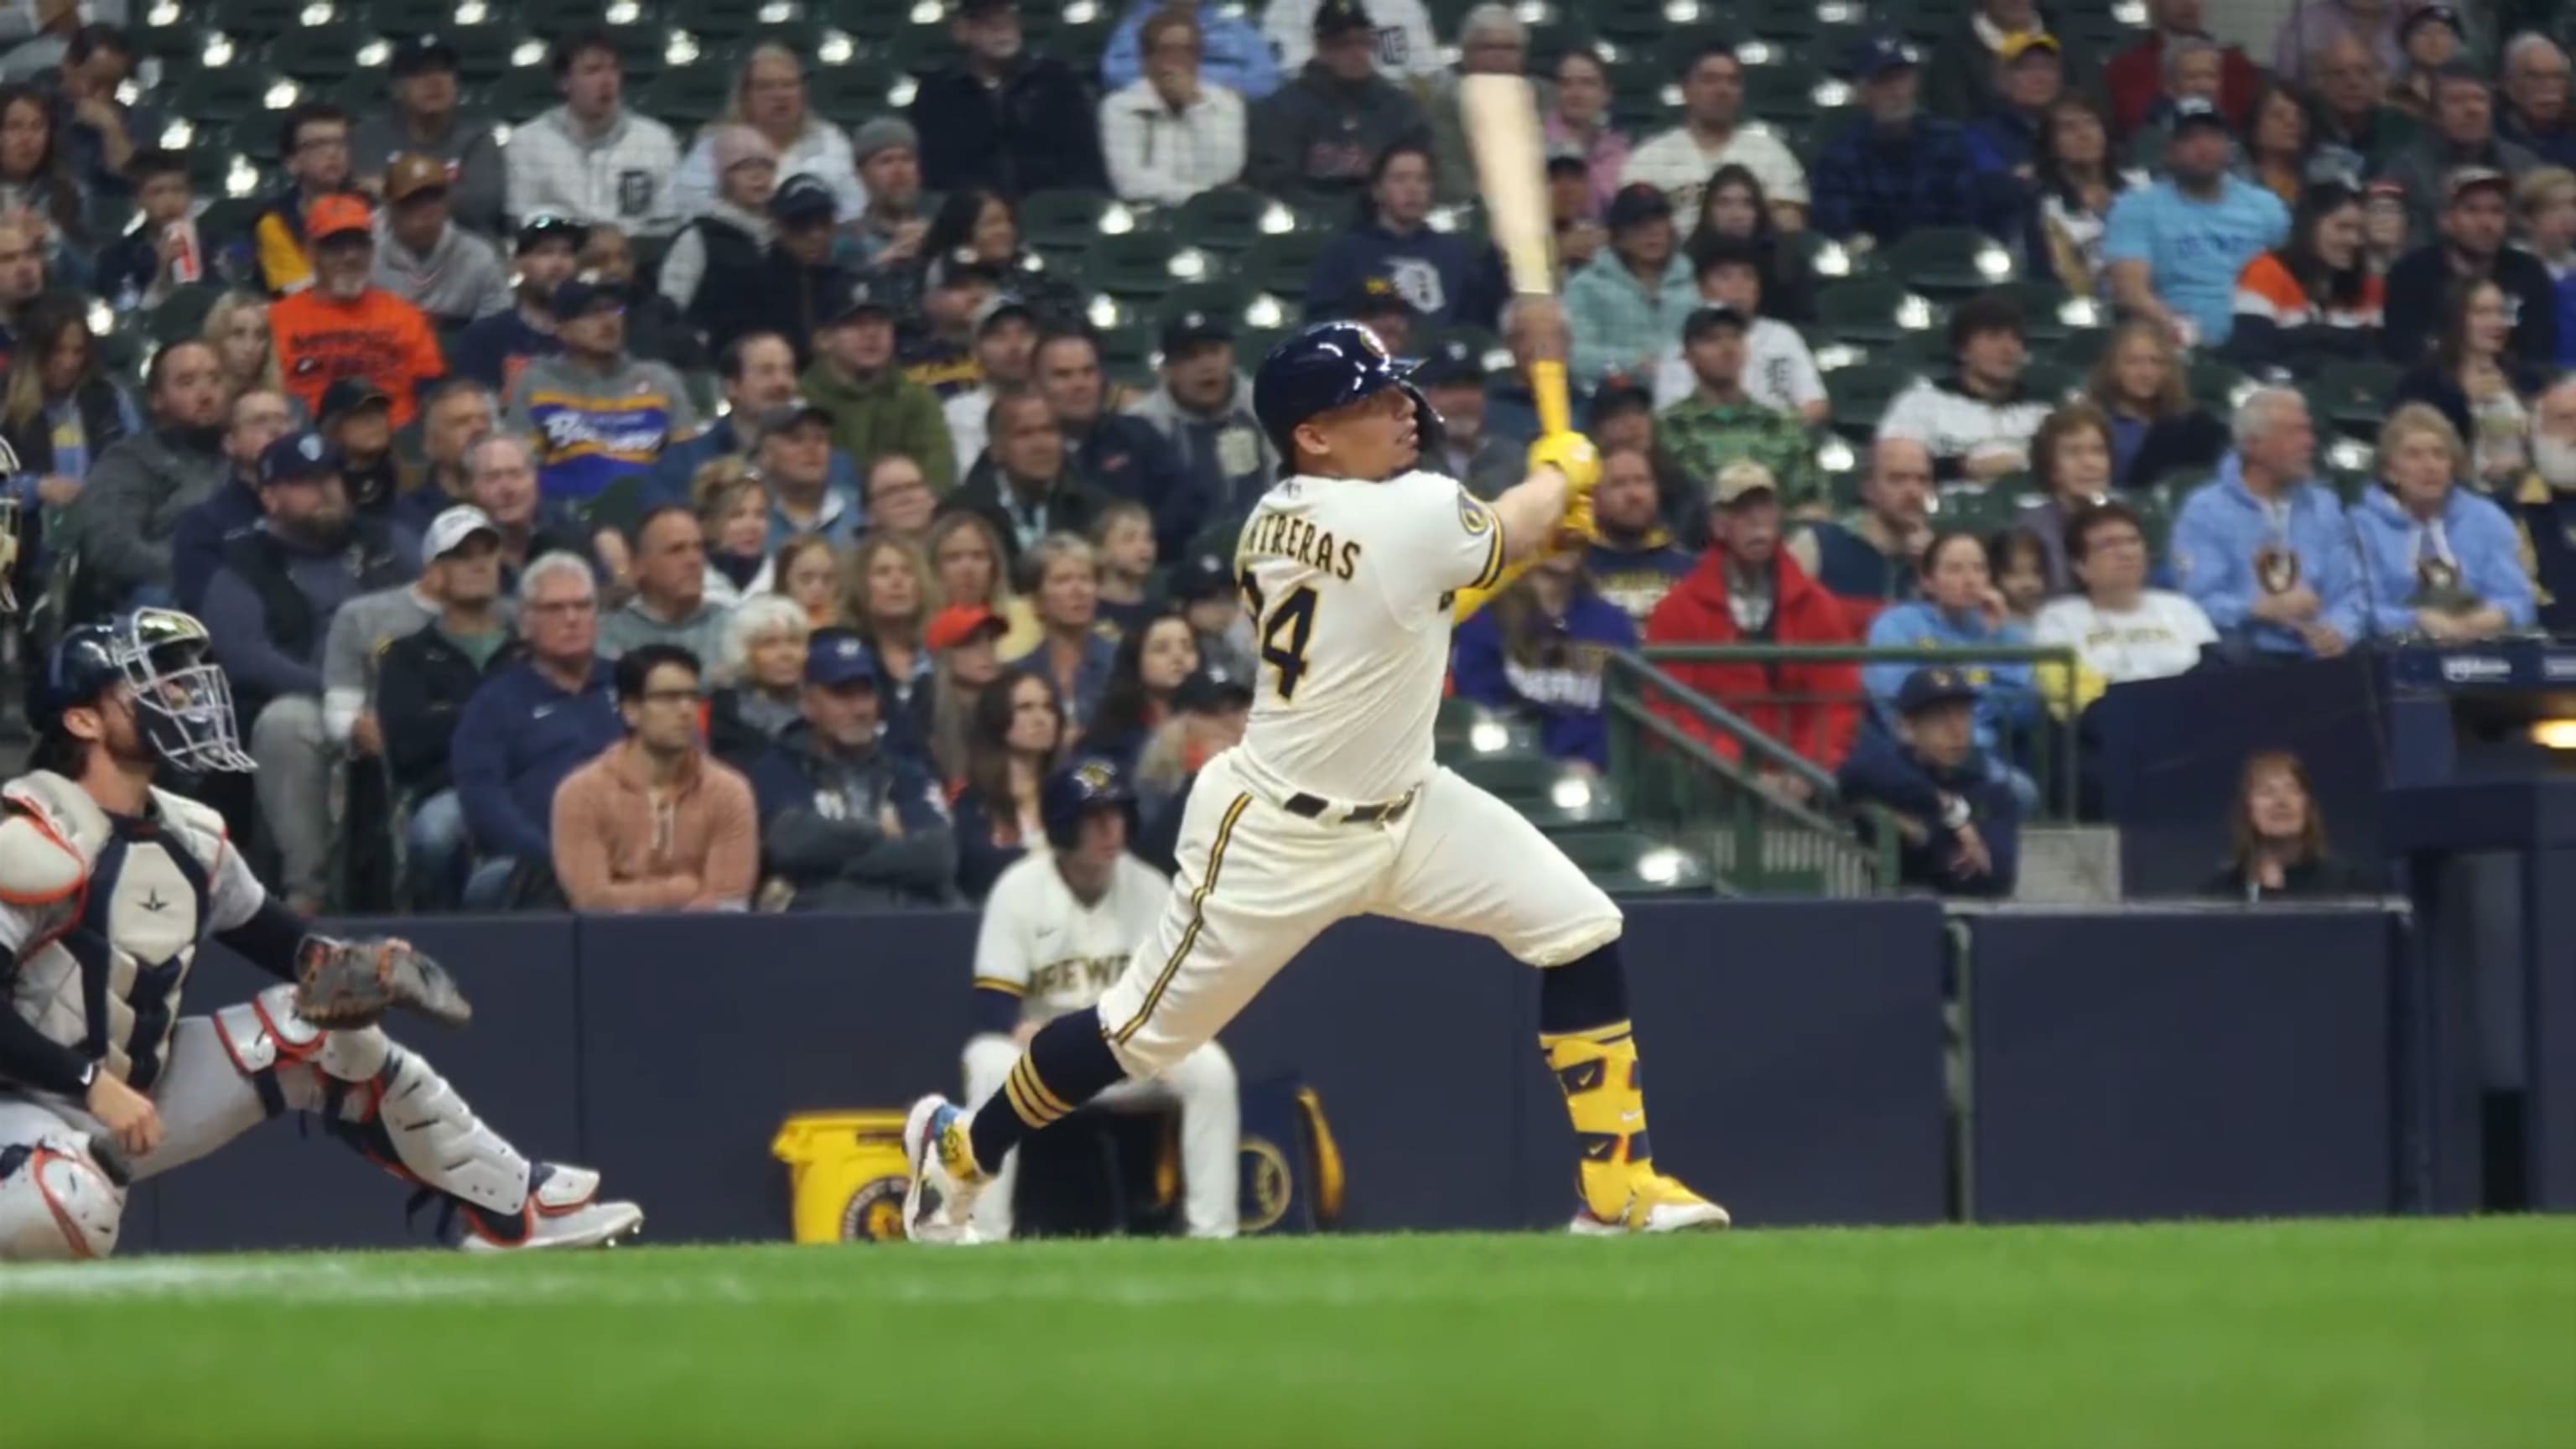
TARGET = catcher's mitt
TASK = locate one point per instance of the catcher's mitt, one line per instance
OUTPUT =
(347, 984)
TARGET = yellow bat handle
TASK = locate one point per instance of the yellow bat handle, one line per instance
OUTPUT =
(1548, 390)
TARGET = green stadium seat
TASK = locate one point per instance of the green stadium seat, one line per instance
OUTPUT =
(484, 53)
(847, 95)
(2081, 349)
(1550, 795)
(921, 49)
(1870, 311)
(1861, 394)
(2352, 396)
(1630, 863)
(1949, 261)
(1127, 355)
(2042, 303)
(1785, 93)
(1134, 268)
(1280, 264)
(183, 312)
(2051, 380)
(725, 20)
(1549, 42)
(228, 221)
(551, 18)
(2213, 385)
(1062, 220)
(256, 19)
(644, 50)
(1218, 297)
(688, 96)
(323, 55)
(1227, 220)
(408, 17)
(226, 96)
(522, 95)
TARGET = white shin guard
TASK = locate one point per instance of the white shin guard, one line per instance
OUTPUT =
(394, 1108)
(55, 1203)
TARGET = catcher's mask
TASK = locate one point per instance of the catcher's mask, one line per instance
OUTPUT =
(182, 703)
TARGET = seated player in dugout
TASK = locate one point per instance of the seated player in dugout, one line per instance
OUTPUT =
(1355, 565)
(1058, 930)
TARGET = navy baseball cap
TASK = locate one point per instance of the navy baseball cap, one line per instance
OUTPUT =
(1638, 202)
(861, 300)
(1214, 689)
(423, 53)
(1189, 329)
(1708, 319)
(350, 394)
(835, 657)
(2195, 111)
(546, 225)
(577, 296)
(803, 197)
(304, 454)
(1451, 360)
(1937, 684)
(1883, 53)
(1205, 577)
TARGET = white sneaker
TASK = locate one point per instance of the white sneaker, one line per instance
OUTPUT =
(939, 1206)
(563, 1211)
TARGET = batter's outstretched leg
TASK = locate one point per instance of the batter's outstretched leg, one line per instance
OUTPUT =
(1592, 1050)
(956, 1153)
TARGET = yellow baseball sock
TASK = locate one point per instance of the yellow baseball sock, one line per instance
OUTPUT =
(1597, 1071)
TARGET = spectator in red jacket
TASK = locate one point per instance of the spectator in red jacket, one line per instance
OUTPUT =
(1749, 590)
(2136, 76)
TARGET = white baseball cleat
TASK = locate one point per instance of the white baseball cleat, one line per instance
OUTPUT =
(939, 1206)
(1656, 1204)
(563, 1211)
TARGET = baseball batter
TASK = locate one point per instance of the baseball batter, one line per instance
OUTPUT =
(1059, 928)
(1332, 805)
(108, 886)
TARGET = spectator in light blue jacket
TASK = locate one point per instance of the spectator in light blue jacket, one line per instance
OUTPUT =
(2263, 549)
(1626, 309)
(2436, 559)
(1232, 52)
(1959, 610)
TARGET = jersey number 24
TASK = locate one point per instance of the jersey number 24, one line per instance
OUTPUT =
(1284, 631)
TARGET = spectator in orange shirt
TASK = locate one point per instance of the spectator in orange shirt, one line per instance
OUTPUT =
(654, 823)
(344, 326)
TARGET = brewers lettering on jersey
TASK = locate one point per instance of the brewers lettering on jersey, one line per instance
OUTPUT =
(1333, 806)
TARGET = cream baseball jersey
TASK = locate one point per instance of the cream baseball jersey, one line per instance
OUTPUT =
(1042, 944)
(1349, 584)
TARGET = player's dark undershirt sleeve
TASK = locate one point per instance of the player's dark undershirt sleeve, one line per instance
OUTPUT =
(269, 939)
(27, 1055)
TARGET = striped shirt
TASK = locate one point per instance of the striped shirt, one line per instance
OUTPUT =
(594, 427)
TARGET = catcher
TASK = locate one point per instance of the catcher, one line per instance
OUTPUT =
(107, 887)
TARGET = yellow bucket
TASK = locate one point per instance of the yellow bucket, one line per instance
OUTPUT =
(847, 1173)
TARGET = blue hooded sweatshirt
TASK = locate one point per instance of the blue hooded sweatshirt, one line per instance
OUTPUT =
(2007, 700)
(2223, 526)
(1562, 688)
(2473, 535)
(1450, 278)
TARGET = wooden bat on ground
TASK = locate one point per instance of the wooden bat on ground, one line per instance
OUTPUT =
(1500, 115)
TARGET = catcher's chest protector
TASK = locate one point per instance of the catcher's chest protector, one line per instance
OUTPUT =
(128, 905)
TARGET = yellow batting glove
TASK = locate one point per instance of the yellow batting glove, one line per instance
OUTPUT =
(1571, 454)
(1575, 530)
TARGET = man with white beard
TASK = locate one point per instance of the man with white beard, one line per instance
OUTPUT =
(2545, 506)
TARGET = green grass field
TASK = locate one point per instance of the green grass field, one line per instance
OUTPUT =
(2450, 1334)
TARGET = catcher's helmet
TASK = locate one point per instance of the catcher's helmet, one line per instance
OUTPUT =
(182, 703)
(1329, 365)
(1091, 783)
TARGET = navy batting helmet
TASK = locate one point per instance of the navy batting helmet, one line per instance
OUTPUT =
(1329, 365)
(1082, 786)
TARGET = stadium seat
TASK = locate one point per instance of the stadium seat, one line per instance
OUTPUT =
(228, 221)
(1134, 268)
(1861, 394)
(2081, 349)
(1218, 297)
(2352, 396)
(1062, 220)
(2214, 385)
(1281, 264)
(1870, 311)
(1552, 796)
(483, 52)
(2051, 380)
(847, 95)
(1548, 43)
(182, 313)
(254, 20)
(725, 20)
(688, 96)
(225, 96)
(1949, 261)
(323, 55)
(2043, 305)
(643, 49)
(551, 18)
(410, 17)
(1127, 355)
(522, 95)
(869, 20)
(1632, 863)
(1227, 220)
(1784, 93)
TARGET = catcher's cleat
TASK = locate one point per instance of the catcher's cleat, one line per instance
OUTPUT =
(939, 1206)
(563, 1210)
(1656, 1204)
(349, 984)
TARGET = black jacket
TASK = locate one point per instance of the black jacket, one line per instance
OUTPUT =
(1073, 504)
(728, 295)
(821, 831)
(2420, 283)
(422, 684)
(2324, 878)
(778, 294)
(2187, 440)
(1038, 130)
(259, 557)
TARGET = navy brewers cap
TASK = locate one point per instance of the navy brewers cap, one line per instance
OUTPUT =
(803, 197)
(1452, 360)
(298, 455)
(1214, 689)
(835, 657)
(1191, 328)
(546, 225)
(579, 296)
(421, 54)
(1708, 319)
(1204, 577)
(1883, 53)
(1938, 684)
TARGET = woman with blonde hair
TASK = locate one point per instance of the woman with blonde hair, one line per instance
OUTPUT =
(966, 555)
(769, 97)
(2155, 429)
(2279, 839)
(888, 596)
(764, 656)
(733, 512)
(237, 328)
(2437, 559)
(807, 569)
(1062, 573)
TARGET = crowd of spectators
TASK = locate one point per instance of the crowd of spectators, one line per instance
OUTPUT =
(753, 512)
